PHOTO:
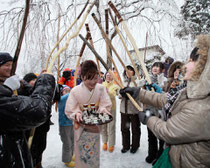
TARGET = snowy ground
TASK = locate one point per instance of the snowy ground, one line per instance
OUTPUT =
(52, 155)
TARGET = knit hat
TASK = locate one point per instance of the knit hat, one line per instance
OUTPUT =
(30, 76)
(64, 87)
(5, 57)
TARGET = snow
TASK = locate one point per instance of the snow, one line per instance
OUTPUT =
(53, 153)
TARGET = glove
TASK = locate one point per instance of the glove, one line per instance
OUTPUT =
(67, 75)
(144, 116)
(157, 88)
(133, 91)
(57, 94)
(13, 82)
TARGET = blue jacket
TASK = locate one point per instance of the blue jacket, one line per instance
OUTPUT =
(63, 120)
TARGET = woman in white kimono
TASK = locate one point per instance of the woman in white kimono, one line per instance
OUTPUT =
(87, 138)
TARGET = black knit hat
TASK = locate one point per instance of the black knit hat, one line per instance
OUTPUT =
(5, 57)
(30, 76)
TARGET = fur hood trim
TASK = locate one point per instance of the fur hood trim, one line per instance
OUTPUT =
(199, 85)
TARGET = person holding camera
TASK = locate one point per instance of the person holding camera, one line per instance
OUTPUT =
(186, 129)
(67, 78)
(20, 113)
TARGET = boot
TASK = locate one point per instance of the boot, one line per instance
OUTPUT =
(73, 157)
(70, 164)
(150, 158)
(111, 149)
(38, 165)
(124, 150)
(104, 147)
(133, 150)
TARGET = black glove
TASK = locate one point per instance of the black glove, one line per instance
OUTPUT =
(67, 75)
(57, 94)
(144, 116)
(133, 91)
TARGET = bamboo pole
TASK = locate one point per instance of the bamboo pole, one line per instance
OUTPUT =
(48, 59)
(91, 42)
(80, 55)
(20, 40)
(110, 72)
(130, 37)
(145, 47)
(112, 47)
(126, 49)
(58, 34)
(71, 37)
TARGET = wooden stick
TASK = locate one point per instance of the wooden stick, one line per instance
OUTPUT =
(91, 42)
(127, 51)
(145, 47)
(20, 40)
(71, 37)
(80, 56)
(48, 59)
(110, 44)
(130, 37)
(110, 72)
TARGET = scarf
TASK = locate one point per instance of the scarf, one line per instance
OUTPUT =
(171, 98)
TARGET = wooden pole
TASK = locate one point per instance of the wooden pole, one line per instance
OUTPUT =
(110, 72)
(80, 55)
(126, 49)
(130, 37)
(91, 42)
(110, 44)
(20, 40)
(145, 47)
(48, 59)
(71, 37)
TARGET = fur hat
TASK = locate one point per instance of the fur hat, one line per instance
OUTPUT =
(30, 76)
(5, 57)
(173, 67)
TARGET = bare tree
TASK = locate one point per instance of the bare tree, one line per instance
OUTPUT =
(41, 29)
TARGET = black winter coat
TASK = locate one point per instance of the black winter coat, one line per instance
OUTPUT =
(20, 113)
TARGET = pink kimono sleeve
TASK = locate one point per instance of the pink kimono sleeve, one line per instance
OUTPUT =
(105, 102)
(72, 106)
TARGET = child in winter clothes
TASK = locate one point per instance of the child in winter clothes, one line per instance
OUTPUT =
(157, 78)
(174, 76)
(66, 129)
(108, 130)
(129, 116)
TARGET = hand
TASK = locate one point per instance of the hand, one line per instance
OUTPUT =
(78, 117)
(13, 82)
(104, 110)
(133, 91)
(144, 116)
(157, 88)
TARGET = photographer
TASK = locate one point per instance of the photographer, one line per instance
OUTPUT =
(67, 78)
(20, 113)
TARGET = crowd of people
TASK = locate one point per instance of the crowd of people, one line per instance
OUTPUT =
(176, 110)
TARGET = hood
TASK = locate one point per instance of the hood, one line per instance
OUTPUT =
(200, 87)
(172, 68)
(67, 69)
